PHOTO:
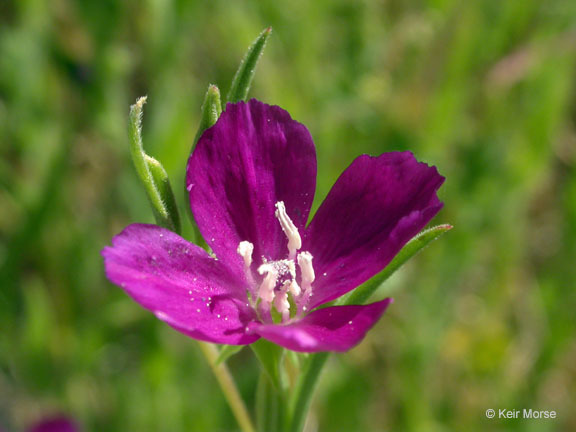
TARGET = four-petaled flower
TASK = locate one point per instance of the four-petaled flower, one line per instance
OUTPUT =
(251, 181)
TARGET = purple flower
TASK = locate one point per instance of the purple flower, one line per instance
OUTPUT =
(55, 424)
(251, 181)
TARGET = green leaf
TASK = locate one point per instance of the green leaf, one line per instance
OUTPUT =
(361, 294)
(270, 357)
(243, 78)
(152, 174)
(211, 110)
(228, 351)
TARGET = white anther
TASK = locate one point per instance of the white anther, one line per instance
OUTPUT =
(305, 264)
(245, 249)
(291, 268)
(281, 302)
(294, 240)
(266, 291)
(294, 288)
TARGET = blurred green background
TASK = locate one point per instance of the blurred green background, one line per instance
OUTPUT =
(483, 318)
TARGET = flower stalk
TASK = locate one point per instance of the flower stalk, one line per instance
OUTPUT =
(270, 405)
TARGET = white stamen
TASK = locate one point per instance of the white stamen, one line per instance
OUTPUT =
(294, 288)
(245, 249)
(294, 240)
(278, 280)
(281, 302)
(266, 291)
(291, 268)
(305, 264)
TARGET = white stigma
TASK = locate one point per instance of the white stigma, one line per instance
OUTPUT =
(245, 249)
(294, 240)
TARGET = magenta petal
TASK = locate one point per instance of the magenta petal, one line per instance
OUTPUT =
(375, 207)
(336, 328)
(180, 283)
(253, 157)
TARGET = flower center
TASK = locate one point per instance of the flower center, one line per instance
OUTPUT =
(279, 277)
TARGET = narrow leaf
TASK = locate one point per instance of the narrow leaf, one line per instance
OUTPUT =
(243, 78)
(361, 294)
(152, 174)
(270, 357)
(228, 351)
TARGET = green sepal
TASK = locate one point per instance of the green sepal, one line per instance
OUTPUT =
(228, 351)
(152, 174)
(211, 110)
(270, 357)
(361, 294)
(243, 78)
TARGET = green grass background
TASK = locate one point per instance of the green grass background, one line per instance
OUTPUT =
(483, 318)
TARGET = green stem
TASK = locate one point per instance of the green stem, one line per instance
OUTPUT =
(224, 378)
(302, 395)
(269, 405)
(262, 408)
